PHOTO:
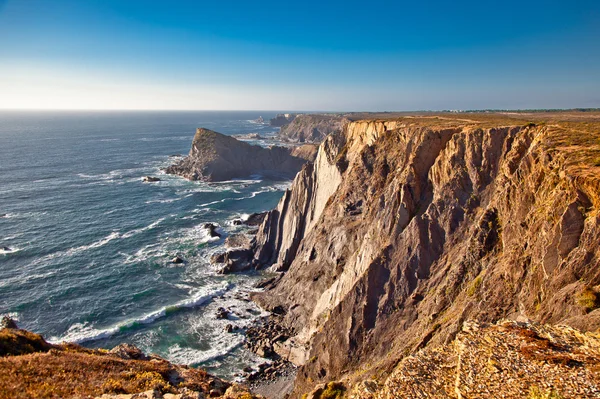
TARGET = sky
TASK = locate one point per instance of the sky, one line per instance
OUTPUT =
(311, 55)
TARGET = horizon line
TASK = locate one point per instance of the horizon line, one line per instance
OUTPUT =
(300, 111)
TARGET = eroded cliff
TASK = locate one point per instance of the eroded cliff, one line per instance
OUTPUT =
(312, 128)
(405, 228)
(217, 157)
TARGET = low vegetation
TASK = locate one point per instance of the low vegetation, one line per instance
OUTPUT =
(33, 368)
(588, 299)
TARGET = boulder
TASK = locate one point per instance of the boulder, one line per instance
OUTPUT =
(212, 229)
(222, 313)
(237, 241)
(128, 351)
(8, 322)
(255, 219)
(235, 260)
(177, 260)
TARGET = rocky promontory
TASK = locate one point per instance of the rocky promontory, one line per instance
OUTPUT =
(312, 128)
(282, 119)
(406, 227)
(217, 157)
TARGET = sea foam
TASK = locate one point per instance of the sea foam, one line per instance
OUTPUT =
(84, 332)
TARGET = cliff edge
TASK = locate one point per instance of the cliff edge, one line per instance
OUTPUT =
(217, 157)
(312, 128)
(33, 368)
(404, 228)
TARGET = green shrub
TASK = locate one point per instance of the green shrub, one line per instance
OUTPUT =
(333, 390)
(588, 299)
(537, 393)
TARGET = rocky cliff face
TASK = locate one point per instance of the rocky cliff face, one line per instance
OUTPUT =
(312, 128)
(403, 229)
(217, 157)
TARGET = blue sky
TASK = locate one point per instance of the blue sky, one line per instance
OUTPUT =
(331, 56)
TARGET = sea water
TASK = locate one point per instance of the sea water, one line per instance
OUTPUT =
(89, 245)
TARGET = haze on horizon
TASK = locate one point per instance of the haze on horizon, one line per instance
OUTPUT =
(337, 56)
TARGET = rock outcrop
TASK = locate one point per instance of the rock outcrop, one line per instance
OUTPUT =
(282, 119)
(403, 229)
(312, 128)
(217, 157)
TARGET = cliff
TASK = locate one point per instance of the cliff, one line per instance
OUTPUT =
(312, 128)
(33, 368)
(282, 119)
(217, 157)
(405, 228)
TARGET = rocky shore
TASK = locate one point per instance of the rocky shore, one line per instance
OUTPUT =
(273, 379)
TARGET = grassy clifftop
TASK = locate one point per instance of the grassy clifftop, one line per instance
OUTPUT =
(32, 368)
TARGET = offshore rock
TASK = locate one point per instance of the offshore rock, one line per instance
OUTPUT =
(217, 157)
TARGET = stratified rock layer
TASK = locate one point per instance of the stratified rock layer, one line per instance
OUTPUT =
(312, 128)
(403, 229)
(217, 157)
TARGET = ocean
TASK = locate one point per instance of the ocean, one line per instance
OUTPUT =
(89, 245)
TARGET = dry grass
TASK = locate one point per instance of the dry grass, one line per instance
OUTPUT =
(36, 369)
(21, 342)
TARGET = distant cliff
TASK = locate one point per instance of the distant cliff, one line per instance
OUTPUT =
(282, 119)
(405, 228)
(312, 128)
(217, 157)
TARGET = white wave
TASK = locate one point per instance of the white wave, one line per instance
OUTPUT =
(84, 332)
(147, 252)
(163, 201)
(189, 356)
(22, 215)
(100, 243)
(141, 230)
(118, 173)
(12, 315)
(8, 238)
(9, 251)
(199, 234)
